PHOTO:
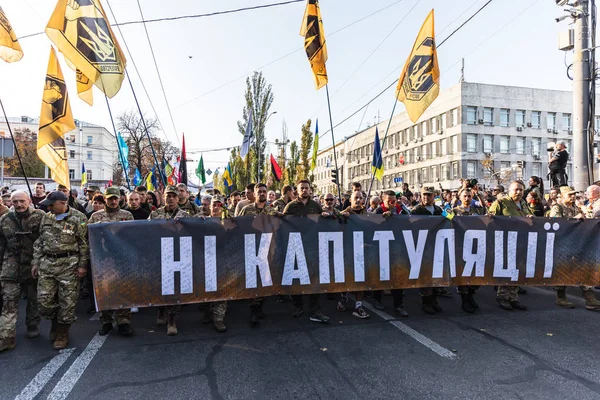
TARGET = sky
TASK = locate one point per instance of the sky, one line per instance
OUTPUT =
(203, 62)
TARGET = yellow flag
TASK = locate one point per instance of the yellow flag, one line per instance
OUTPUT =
(314, 42)
(56, 119)
(10, 49)
(80, 30)
(419, 83)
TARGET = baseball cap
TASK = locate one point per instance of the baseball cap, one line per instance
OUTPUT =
(565, 190)
(112, 192)
(93, 188)
(171, 189)
(427, 189)
(217, 198)
(52, 197)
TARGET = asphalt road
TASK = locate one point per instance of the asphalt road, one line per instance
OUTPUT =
(544, 353)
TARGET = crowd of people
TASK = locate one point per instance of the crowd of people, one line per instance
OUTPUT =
(45, 256)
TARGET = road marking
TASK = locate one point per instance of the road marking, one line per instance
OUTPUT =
(424, 340)
(43, 377)
(67, 382)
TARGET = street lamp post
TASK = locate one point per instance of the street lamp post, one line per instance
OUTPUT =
(258, 148)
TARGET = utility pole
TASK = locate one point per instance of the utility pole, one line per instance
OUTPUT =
(581, 98)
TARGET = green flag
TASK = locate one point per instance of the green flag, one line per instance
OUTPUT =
(200, 171)
(313, 163)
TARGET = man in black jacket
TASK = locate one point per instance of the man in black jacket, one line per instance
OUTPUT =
(134, 206)
(557, 162)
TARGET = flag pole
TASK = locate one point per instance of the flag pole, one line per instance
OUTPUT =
(17, 151)
(117, 139)
(333, 140)
(381, 147)
(162, 178)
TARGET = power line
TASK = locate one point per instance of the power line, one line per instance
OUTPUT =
(212, 14)
(162, 87)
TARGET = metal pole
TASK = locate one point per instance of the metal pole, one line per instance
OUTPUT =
(117, 140)
(3, 161)
(581, 100)
(333, 141)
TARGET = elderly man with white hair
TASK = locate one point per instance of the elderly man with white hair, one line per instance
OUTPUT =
(592, 193)
(557, 162)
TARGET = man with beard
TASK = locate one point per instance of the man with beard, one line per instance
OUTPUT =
(287, 195)
(568, 209)
(304, 206)
(113, 213)
(259, 207)
(134, 206)
(387, 208)
(205, 202)
(168, 315)
(248, 200)
(511, 205)
(234, 199)
(184, 200)
(465, 208)
(60, 259)
(19, 229)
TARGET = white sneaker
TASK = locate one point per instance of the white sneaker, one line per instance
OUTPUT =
(134, 310)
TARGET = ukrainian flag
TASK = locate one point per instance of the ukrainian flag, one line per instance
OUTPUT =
(377, 163)
(227, 180)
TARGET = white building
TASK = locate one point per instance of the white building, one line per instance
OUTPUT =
(90, 145)
(469, 126)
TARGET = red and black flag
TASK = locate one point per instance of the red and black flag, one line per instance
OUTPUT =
(276, 169)
(182, 178)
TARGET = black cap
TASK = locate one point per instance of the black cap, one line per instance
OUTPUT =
(54, 196)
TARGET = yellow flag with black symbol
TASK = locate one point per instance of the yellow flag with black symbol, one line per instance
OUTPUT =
(419, 83)
(80, 30)
(56, 119)
(10, 49)
(314, 42)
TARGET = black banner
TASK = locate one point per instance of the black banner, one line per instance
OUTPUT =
(160, 262)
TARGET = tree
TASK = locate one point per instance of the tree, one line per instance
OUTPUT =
(306, 141)
(131, 127)
(26, 142)
(501, 176)
(282, 157)
(259, 98)
(292, 169)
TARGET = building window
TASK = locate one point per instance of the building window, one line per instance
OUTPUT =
(444, 171)
(89, 174)
(471, 143)
(443, 121)
(504, 117)
(416, 176)
(536, 145)
(488, 116)
(471, 169)
(416, 157)
(433, 124)
(72, 138)
(505, 168)
(454, 117)
(89, 155)
(71, 153)
(488, 144)
(520, 118)
(89, 139)
(566, 122)
(412, 133)
(424, 175)
(423, 128)
(454, 170)
(536, 169)
(520, 145)
(551, 121)
(536, 119)
(443, 147)
(434, 150)
(434, 174)
(71, 174)
(504, 144)
(453, 144)
(471, 115)
(424, 151)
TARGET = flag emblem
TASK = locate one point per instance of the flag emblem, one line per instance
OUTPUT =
(420, 72)
(55, 95)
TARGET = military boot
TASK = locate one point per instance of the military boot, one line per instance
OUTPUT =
(427, 307)
(62, 336)
(471, 297)
(254, 315)
(33, 331)
(52, 335)
(219, 325)
(591, 303)
(172, 328)
(561, 299)
(7, 344)
(434, 303)
(466, 304)
(161, 320)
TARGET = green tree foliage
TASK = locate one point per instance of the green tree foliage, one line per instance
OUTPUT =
(306, 141)
(26, 142)
(294, 163)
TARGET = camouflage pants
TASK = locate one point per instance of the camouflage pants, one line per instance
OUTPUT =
(426, 291)
(58, 289)
(466, 289)
(171, 310)
(508, 293)
(257, 301)
(11, 294)
(218, 309)
(583, 288)
(122, 316)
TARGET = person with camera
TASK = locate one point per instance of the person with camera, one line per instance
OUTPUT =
(557, 162)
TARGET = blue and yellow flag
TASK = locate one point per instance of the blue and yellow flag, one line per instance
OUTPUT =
(227, 180)
(149, 181)
(83, 175)
(377, 163)
(313, 162)
(419, 83)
